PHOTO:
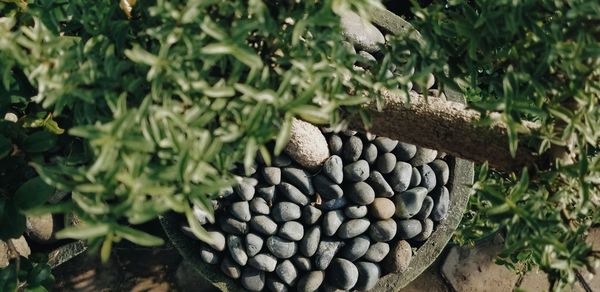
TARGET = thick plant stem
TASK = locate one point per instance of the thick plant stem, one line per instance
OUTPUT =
(446, 126)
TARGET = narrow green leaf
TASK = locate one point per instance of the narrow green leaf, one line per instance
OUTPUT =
(84, 231)
(138, 237)
(284, 135)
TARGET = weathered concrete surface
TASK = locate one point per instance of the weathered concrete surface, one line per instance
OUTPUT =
(535, 280)
(430, 280)
(473, 269)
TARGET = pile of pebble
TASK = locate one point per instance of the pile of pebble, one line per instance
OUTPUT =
(340, 227)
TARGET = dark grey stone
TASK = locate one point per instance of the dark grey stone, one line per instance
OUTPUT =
(428, 179)
(266, 193)
(385, 145)
(281, 248)
(302, 263)
(226, 192)
(353, 228)
(218, 242)
(282, 160)
(356, 248)
(310, 242)
(209, 256)
(292, 230)
(356, 171)
(292, 193)
(360, 193)
(352, 149)
(310, 215)
(230, 268)
(409, 228)
(254, 244)
(311, 282)
(377, 252)
(342, 274)
(361, 34)
(287, 272)
(274, 284)
(365, 60)
(334, 204)
(244, 190)
(369, 153)
(383, 230)
(441, 170)
(335, 144)
(272, 175)
(426, 230)
(253, 279)
(300, 179)
(381, 187)
(415, 179)
(326, 188)
(405, 151)
(368, 275)
(409, 203)
(285, 211)
(241, 210)
(263, 224)
(333, 169)
(385, 163)
(327, 250)
(441, 199)
(258, 205)
(332, 221)
(399, 178)
(355, 212)
(264, 262)
(233, 226)
(235, 246)
(426, 208)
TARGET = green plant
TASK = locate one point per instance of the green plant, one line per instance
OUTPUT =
(161, 99)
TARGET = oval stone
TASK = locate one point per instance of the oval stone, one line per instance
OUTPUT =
(385, 145)
(423, 156)
(383, 230)
(356, 248)
(427, 230)
(311, 281)
(285, 211)
(274, 284)
(334, 204)
(355, 212)
(399, 178)
(209, 256)
(258, 205)
(271, 175)
(405, 151)
(441, 199)
(266, 193)
(426, 208)
(332, 221)
(342, 274)
(352, 149)
(368, 275)
(441, 170)
(263, 224)
(360, 193)
(310, 215)
(281, 248)
(326, 188)
(264, 262)
(286, 271)
(385, 163)
(428, 179)
(236, 250)
(218, 240)
(399, 257)
(292, 230)
(327, 250)
(409, 228)
(254, 244)
(293, 194)
(356, 171)
(363, 35)
(382, 208)
(233, 226)
(310, 242)
(377, 252)
(369, 153)
(409, 203)
(300, 179)
(415, 179)
(241, 210)
(302, 263)
(353, 228)
(334, 142)
(333, 169)
(230, 268)
(253, 279)
(244, 190)
(381, 187)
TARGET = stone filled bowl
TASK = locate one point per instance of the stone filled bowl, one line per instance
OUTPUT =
(458, 185)
(461, 177)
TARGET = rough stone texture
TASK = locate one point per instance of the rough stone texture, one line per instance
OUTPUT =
(535, 280)
(593, 281)
(307, 145)
(470, 269)
(430, 280)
